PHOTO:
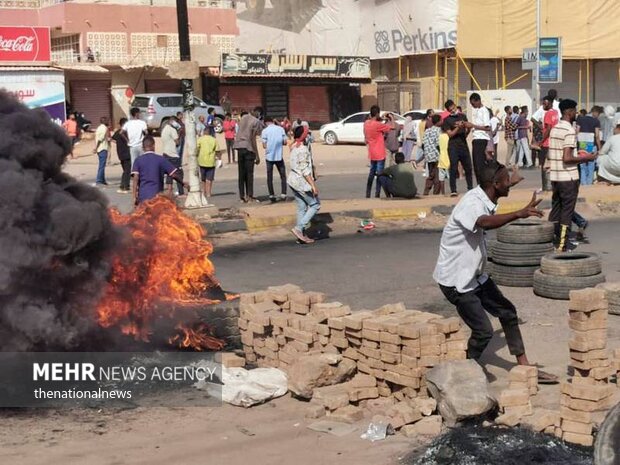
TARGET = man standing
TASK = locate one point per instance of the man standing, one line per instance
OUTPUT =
(208, 152)
(509, 134)
(122, 151)
(102, 149)
(250, 128)
(374, 130)
(391, 139)
(550, 119)
(588, 140)
(134, 130)
(458, 150)
(562, 163)
(180, 127)
(430, 146)
(523, 144)
(169, 142)
(148, 173)
(274, 138)
(200, 126)
(399, 179)
(481, 124)
(210, 124)
(463, 255)
(71, 128)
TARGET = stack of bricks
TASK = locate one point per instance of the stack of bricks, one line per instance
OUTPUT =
(515, 402)
(589, 390)
(615, 365)
(392, 345)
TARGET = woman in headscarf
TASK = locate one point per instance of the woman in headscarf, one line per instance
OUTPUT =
(609, 159)
(302, 182)
(408, 137)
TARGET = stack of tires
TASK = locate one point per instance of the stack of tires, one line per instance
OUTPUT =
(612, 292)
(515, 256)
(561, 273)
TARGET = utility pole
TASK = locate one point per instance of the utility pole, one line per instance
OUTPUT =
(535, 83)
(195, 197)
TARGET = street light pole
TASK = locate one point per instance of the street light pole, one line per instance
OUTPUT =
(535, 72)
(195, 197)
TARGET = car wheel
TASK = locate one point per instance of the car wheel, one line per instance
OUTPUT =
(218, 125)
(331, 138)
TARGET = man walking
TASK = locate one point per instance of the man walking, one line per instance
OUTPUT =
(102, 149)
(170, 141)
(148, 173)
(374, 130)
(564, 173)
(481, 124)
(134, 130)
(122, 151)
(430, 146)
(549, 120)
(588, 140)
(250, 128)
(509, 135)
(274, 138)
(463, 255)
(71, 128)
(208, 153)
(458, 150)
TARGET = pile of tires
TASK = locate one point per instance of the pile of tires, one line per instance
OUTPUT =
(561, 273)
(612, 292)
(515, 256)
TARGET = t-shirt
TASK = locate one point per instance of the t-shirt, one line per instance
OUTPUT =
(229, 129)
(135, 129)
(444, 155)
(373, 133)
(481, 117)
(494, 129)
(151, 168)
(561, 137)
(274, 137)
(122, 149)
(101, 138)
(403, 180)
(549, 121)
(207, 149)
(588, 124)
(430, 144)
(169, 138)
(210, 125)
(391, 139)
(249, 129)
(200, 129)
(70, 126)
(460, 138)
(522, 122)
(463, 251)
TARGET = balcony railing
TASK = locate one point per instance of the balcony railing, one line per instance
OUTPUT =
(33, 4)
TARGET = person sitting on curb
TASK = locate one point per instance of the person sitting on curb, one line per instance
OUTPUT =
(463, 255)
(399, 179)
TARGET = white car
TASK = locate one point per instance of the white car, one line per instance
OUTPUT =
(350, 129)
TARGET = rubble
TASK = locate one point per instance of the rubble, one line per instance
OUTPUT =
(316, 370)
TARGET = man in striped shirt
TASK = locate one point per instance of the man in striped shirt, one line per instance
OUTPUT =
(564, 173)
(509, 134)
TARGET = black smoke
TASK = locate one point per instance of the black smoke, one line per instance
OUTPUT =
(55, 237)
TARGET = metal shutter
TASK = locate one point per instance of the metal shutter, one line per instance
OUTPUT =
(276, 101)
(243, 97)
(162, 86)
(310, 103)
(93, 98)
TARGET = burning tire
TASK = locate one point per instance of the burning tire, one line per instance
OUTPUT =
(223, 319)
(559, 287)
(571, 264)
(512, 276)
(527, 231)
(519, 254)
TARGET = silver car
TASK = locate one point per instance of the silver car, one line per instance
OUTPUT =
(158, 108)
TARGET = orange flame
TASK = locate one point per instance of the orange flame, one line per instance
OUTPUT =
(198, 338)
(163, 260)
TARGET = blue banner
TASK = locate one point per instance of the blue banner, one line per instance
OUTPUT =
(550, 60)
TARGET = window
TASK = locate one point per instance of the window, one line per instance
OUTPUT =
(141, 102)
(359, 118)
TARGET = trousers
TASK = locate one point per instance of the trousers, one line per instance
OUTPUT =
(246, 162)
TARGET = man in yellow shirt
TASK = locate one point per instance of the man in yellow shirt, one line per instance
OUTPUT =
(443, 164)
(208, 152)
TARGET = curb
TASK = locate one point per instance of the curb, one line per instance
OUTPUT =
(255, 225)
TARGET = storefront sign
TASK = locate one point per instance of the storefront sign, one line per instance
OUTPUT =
(39, 88)
(25, 44)
(550, 59)
(286, 65)
(529, 59)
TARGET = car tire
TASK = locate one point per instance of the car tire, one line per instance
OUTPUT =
(223, 318)
(559, 287)
(518, 254)
(512, 276)
(330, 138)
(607, 444)
(571, 264)
(527, 231)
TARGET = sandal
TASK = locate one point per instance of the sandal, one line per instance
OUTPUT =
(547, 378)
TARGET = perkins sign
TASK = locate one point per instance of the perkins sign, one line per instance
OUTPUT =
(395, 41)
(25, 44)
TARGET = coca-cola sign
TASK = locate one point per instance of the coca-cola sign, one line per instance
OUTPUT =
(24, 44)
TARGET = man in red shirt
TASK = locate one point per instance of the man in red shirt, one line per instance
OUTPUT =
(374, 130)
(549, 121)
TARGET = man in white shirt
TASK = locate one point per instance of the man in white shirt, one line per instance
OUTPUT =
(135, 129)
(481, 125)
(169, 142)
(462, 257)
